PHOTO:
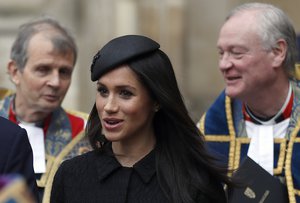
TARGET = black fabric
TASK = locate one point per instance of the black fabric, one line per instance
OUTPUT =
(120, 50)
(16, 153)
(94, 177)
(99, 177)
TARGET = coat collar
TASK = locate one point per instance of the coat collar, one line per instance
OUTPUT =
(107, 164)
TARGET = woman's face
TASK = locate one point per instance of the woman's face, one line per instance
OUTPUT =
(124, 106)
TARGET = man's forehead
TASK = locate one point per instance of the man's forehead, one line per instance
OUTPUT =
(51, 42)
(239, 29)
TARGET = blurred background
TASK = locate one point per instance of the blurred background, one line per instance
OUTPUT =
(186, 29)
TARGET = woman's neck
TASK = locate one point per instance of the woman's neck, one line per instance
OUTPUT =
(129, 153)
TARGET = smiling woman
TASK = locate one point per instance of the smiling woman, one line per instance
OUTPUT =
(146, 147)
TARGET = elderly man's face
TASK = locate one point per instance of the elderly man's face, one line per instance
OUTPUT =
(46, 77)
(248, 69)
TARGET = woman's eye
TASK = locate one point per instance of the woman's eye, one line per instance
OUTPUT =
(102, 91)
(125, 93)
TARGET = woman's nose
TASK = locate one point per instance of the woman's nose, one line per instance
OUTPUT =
(111, 105)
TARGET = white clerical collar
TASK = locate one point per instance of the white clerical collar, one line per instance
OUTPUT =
(272, 121)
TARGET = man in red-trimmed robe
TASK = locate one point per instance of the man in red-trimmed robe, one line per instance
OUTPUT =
(41, 65)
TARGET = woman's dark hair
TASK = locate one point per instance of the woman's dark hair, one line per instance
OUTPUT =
(185, 169)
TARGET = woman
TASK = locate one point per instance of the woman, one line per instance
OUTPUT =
(146, 147)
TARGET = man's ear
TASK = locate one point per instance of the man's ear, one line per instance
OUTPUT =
(280, 52)
(14, 72)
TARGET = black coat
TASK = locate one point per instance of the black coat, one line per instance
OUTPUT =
(16, 153)
(95, 177)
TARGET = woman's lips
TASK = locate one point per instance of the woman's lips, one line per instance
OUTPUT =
(112, 123)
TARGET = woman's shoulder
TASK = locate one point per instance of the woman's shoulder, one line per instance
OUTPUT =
(80, 162)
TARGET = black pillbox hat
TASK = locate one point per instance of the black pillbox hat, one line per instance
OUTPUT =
(119, 51)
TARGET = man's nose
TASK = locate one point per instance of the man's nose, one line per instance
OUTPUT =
(225, 61)
(54, 79)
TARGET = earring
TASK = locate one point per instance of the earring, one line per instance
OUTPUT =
(156, 108)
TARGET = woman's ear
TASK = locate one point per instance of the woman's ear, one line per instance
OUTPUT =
(13, 71)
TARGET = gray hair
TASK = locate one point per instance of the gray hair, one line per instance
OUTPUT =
(61, 39)
(273, 24)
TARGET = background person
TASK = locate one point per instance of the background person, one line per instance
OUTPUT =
(16, 154)
(257, 48)
(41, 66)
